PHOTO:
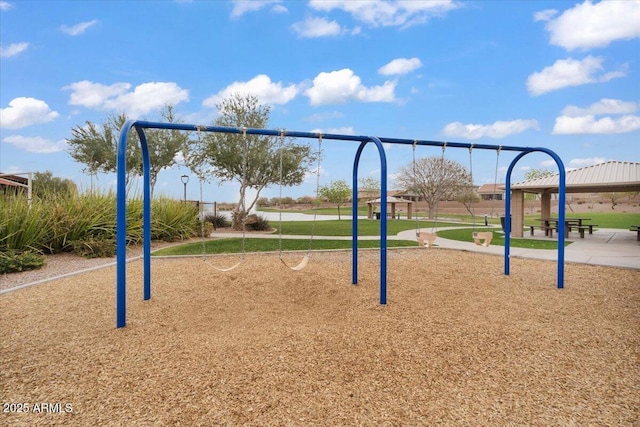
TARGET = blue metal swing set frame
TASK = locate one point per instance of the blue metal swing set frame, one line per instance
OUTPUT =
(140, 126)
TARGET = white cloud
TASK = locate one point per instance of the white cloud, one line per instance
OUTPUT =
(94, 95)
(144, 98)
(148, 97)
(339, 87)
(5, 6)
(13, 49)
(604, 106)
(240, 7)
(590, 25)
(576, 120)
(317, 27)
(35, 144)
(260, 86)
(400, 66)
(23, 112)
(569, 72)
(388, 13)
(78, 29)
(589, 124)
(498, 129)
(544, 15)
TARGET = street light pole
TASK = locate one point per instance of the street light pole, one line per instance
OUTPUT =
(185, 180)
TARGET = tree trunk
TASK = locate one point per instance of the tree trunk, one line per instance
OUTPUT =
(431, 211)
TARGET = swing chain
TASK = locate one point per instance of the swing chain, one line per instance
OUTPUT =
(434, 226)
(282, 134)
(415, 142)
(244, 204)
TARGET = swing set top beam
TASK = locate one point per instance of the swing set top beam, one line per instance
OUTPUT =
(331, 136)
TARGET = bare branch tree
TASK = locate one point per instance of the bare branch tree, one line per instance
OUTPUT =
(435, 179)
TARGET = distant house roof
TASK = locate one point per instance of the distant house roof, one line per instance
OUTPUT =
(13, 180)
(491, 188)
(8, 183)
(605, 177)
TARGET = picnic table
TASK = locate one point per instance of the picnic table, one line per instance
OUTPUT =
(550, 224)
(635, 228)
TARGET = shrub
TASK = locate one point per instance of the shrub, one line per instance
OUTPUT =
(205, 227)
(172, 220)
(257, 223)
(217, 221)
(101, 248)
(12, 261)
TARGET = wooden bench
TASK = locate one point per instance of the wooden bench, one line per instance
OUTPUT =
(540, 227)
(635, 228)
(583, 227)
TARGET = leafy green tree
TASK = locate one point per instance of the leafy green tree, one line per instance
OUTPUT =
(164, 146)
(46, 185)
(253, 161)
(96, 146)
(337, 192)
(435, 179)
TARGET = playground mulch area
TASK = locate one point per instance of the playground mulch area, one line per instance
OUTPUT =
(458, 343)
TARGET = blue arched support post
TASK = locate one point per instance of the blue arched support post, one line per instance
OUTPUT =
(383, 217)
(121, 221)
(561, 212)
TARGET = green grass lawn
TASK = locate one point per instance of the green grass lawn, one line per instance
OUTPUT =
(366, 227)
(465, 235)
(345, 212)
(234, 245)
(620, 220)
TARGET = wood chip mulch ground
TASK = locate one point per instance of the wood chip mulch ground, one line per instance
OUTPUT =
(458, 343)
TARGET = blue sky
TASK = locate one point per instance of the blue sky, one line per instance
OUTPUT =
(558, 74)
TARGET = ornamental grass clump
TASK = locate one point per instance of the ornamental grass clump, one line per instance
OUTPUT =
(22, 227)
(172, 220)
(85, 223)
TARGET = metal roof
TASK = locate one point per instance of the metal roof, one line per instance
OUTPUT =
(605, 177)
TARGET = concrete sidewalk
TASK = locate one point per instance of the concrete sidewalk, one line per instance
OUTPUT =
(607, 247)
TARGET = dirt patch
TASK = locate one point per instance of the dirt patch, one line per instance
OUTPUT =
(458, 343)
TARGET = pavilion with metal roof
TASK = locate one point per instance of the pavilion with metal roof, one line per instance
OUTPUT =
(607, 177)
